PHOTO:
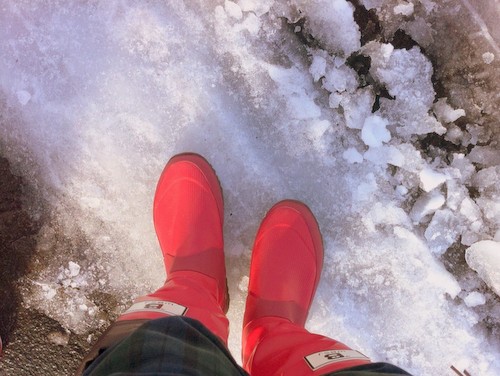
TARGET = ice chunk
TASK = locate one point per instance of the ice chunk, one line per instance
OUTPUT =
(443, 231)
(478, 133)
(23, 97)
(334, 100)
(413, 158)
(370, 4)
(386, 214)
(490, 208)
(259, 7)
(233, 10)
(470, 210)
(485, 155)
(357, 107)
(318, 67)
(386, 154)
(429, 5)
(426, 204)
(445, 113)
(404, 8)
(351, 155)
(421, 31)
(332, 23)
(454, 134)
(401, 190)
(294, 86)
(484, 258)
(488, 57)
(456, 193)
(430, 179)
(73, 269)
(48, 291)
(407, 75)
(474, 299)
(374, 131)
(59, 338)
(317, 129)
(463, 164)
(486, 178)
(340, 79)
(251, 24)
(365, 189)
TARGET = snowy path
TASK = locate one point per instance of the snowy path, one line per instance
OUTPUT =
(96, 96)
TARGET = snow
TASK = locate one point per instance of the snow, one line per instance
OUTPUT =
(96, 96)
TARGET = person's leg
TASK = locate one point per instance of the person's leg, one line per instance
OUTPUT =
(173, 345)
(285, 269)
(188, 217)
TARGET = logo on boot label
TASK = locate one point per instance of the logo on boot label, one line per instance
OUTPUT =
(160, 306)
(323, 358)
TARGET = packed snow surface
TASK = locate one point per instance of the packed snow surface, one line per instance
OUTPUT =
(97, 96)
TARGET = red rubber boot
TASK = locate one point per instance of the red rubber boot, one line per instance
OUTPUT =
(188, 217)
(285, 269)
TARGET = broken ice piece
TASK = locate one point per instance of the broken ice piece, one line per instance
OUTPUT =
(426, 204)
(402, 190)
(430, 179)
(474, 299)
(233, 10)
(374, 131)
(318, 67)
(83, 307)
(318, 129)
(351, 155)
(488, 57)
(406, 9)
(484, 258)
(442, 232)
(48, 291)
(59, 338)
(74, 269)
(445, 113)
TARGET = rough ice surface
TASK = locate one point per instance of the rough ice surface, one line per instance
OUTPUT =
(484, 258)
(96, 96)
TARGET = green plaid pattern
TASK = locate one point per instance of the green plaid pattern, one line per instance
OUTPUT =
(176, 345)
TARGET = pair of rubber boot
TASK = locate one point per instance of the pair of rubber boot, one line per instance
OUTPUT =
(285, 270)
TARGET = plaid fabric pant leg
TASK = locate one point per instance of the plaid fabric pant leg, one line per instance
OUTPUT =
(178, 345)
(167, 346)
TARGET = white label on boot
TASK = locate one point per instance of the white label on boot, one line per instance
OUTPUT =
(160, 306)
(323, 358)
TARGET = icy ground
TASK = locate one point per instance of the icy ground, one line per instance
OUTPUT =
(384, 120)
